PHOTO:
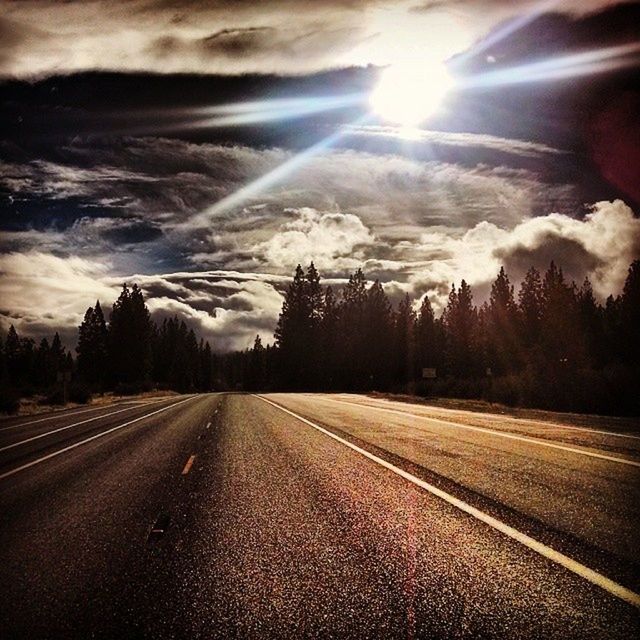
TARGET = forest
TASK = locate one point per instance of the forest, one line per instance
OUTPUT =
(548, 345)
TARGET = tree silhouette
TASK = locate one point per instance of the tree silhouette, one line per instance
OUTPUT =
(404, 325)
(630, 314)
(129, 339)
(558, 347)
(92, 348)
(503, 351)
(377, 337)
(460, 324)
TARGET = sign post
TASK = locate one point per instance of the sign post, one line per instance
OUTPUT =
(65, 378)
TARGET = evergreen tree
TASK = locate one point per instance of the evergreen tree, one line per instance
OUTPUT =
(352, 329)
(206, 366)
(426, 335)
(460, 324)
(92, 347)
(43, 374)
(329, 341)
(592, 324)
(405, 322)
(13, 357)
(129, 339)
(630, 314)
(378, 337)
(501, 327)
(530, 307)
(256, 372)
(3, 365)
(293, 332)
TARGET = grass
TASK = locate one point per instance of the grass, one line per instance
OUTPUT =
(483, 406)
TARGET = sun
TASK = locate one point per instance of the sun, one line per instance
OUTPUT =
(407, 94)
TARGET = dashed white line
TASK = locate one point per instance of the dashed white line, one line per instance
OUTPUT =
(95, 437)
(551, 554)
(187, 467)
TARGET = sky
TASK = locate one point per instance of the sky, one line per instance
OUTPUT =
(203, 149)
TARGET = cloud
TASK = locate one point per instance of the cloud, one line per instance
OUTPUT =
(43, 293)
(466, 140)
(98, 199)
(601, 246)
(232, 37)
(230, 307)
(331, 240)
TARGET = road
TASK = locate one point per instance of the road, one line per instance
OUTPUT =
(310, 515)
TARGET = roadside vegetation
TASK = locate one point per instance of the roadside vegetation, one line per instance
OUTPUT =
(549, 345)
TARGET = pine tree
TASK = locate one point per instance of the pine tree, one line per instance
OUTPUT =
(43, 371)
(352, 331)
(563, 346)
(129, 339)
(426, 335)
(378, 338)
(257, 363)
(630, 314)
(329, 341)
(12, 356)
(501, 327)
(405, 322)
(591, 324)
(92, 347)
(530, 307)
(460, 323)
(315, 297)
(293, 331)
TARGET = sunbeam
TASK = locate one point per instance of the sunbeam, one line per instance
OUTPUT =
(274, 176)
(559, 68)
(251, 112)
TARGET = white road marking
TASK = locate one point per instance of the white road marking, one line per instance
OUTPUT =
(55, 416)
(81, 442)
(551, 554)
(524, 421)
(187, 467)
(69, 426)
(494, 432)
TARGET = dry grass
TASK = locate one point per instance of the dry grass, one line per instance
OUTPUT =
(33, 406)
(482, 406)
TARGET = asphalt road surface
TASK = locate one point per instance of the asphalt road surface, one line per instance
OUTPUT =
(315, 516)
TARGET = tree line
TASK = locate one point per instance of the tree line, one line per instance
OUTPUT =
(551, 345)
(128, 354)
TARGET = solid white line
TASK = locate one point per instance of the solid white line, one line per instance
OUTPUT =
(494, 432)
(524, 421)
(99, 435)
(69, 426)
(57, 415)
(551, 554)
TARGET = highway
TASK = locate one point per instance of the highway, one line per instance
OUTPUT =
(315, 516)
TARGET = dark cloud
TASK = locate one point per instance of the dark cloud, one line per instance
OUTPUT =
(240, 42)
(132, 233)
(576, 261)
